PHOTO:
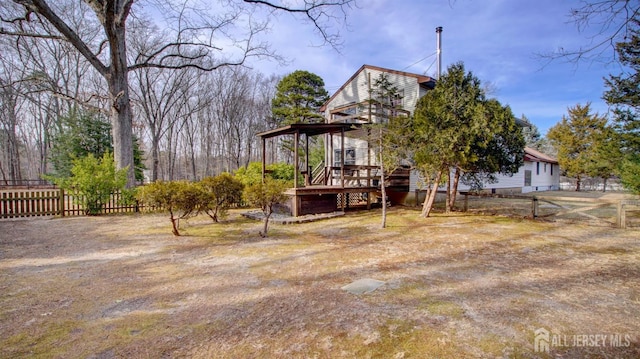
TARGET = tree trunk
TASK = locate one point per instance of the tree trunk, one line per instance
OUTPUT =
(454, 190)
(383, 191)
(604, 184)
(155, 160)
(265, 227)
(118, 81)
(174, 224)
(447, 202)
(578, 184)
(383, 187)
(427, 206)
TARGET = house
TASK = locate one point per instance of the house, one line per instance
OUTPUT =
(539, 172)
(349, 175)
(350, 104)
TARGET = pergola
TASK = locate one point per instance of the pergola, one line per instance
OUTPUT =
(314, 198)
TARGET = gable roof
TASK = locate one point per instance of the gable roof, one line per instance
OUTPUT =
(420, 79)
(533, 155)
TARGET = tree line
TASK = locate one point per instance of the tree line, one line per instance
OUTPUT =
(156, 70)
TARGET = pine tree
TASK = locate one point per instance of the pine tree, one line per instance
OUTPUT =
(578, 139)
(85, 133)
(386, 132)
(624, 95)
(298, 99)
(448, 121)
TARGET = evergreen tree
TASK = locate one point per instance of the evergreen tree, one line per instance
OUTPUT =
(81, 133)
(578, 139)
(298, 99)
(449, 120)
(624, 95)
(386, 132)
(84, 133)
(503, 153)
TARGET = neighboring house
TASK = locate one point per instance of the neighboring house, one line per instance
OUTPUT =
(350, 104)
(538, 173)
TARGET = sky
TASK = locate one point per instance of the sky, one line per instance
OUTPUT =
(499, 41)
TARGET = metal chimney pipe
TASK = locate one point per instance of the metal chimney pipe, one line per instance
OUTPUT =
(439, 51)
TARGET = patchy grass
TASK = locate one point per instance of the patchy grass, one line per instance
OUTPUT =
(456, 285)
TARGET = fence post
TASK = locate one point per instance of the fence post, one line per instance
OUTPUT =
(534, 206)
(61, 202)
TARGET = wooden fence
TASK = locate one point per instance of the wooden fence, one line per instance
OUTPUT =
(55, 202)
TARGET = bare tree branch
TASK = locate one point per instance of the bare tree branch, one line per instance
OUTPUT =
(612, 21)
(42, 8)
(318, 12)
(3, 31)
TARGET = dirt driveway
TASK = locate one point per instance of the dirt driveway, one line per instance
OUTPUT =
(456, 286)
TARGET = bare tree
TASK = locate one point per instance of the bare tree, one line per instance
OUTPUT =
(610, 21)
(196, 41)
(10, 103)
(160, 95)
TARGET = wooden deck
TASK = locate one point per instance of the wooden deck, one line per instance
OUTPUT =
(325, 199)
(339, 186)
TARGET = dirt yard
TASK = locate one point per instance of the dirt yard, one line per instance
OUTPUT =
(461, 285)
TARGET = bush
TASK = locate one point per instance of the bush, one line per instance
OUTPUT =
(94, 180)
(252, 174)
(265, 195)
(222, 192)
(181, 198)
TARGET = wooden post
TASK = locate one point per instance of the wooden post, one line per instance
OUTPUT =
(621, 219)
(61, 202)
(306, 160)
(466, 202)
(296, 165)
(264, 157)
(342, 152)
(534, 206)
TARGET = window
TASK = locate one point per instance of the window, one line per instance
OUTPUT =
(527, 178)
(545, 168)
(349, 154)
(397, 100)
(552, 170)
(537, 168)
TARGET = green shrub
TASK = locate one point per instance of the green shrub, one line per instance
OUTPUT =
(252, 174)
(265, 195)
(222, 192)
(181, 198)
(93, 180)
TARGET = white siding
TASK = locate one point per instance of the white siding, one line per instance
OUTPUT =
(544, 181)
(357, 90)
(544, 176)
